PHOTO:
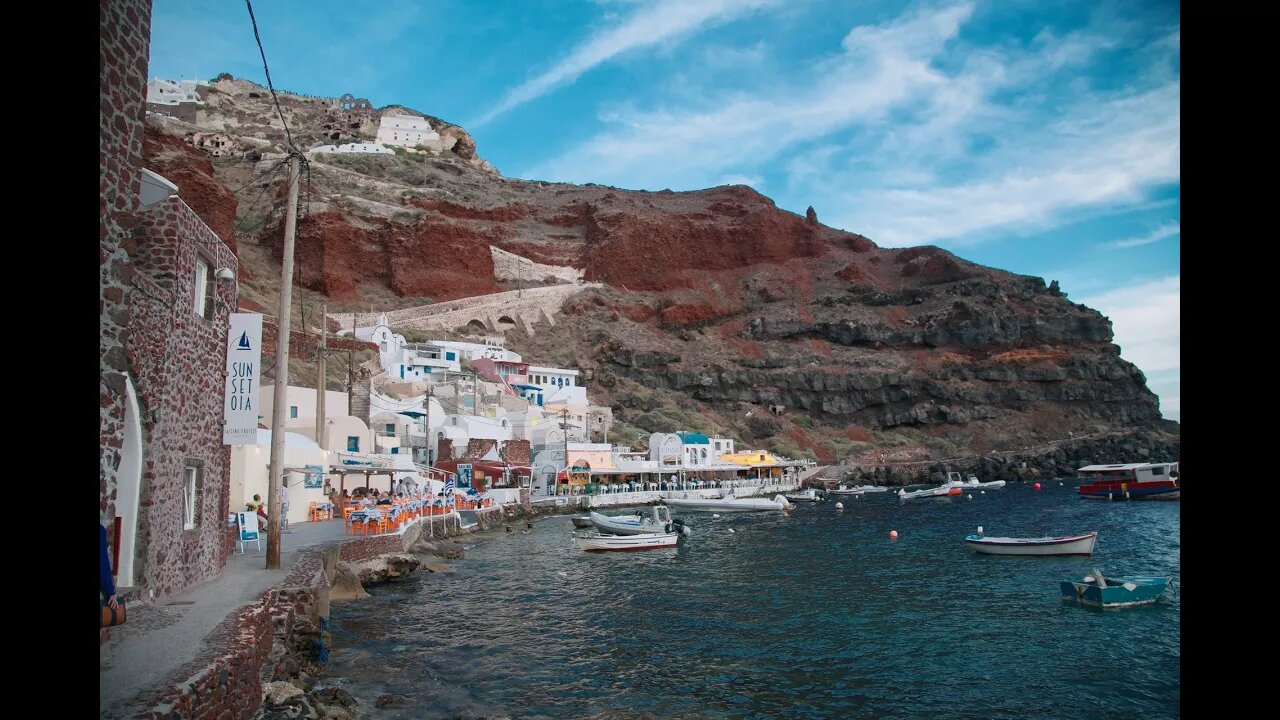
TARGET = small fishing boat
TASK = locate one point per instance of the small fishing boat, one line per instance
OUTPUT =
(659, 521)
(593, 541)
(1114, 593)
(582, 521)
(809, 495)
(940, 491)
(1066, 545)
(729, 503)
(858, 490)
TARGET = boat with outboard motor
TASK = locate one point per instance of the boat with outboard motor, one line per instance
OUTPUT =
(594, 541)
(658, 521)
(809, 495)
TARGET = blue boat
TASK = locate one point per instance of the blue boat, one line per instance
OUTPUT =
(1112, 593)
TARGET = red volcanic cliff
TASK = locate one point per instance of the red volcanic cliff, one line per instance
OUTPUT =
(440, 260)
(192, 171)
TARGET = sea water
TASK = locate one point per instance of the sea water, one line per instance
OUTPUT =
(808, 613)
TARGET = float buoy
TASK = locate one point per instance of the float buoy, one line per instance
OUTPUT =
(893, 534)
(839, 506)
(970, 496)
(1036, 486)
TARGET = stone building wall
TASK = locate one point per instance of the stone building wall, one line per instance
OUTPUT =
(124, 32)
(178, 360)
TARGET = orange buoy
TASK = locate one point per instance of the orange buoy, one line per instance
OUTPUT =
(1036, 486)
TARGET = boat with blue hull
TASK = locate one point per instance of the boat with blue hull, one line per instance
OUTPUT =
(1114, 593)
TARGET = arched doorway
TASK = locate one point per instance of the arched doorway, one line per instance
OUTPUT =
(128, 486)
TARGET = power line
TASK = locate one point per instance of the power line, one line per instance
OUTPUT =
(288, 135)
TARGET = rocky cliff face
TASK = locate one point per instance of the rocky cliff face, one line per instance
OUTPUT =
(717, 304)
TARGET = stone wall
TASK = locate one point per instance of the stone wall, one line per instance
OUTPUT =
(509, 266)
(178, 359)
(124, 32)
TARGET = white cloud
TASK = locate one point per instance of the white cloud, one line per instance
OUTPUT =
(1146, 319)
(650, 25)
(881, 68)
(1164, 231)
(755, 181)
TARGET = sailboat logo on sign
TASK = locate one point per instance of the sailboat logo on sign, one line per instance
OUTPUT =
(244, 341)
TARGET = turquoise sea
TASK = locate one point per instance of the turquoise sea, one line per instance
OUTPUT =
(813, 613)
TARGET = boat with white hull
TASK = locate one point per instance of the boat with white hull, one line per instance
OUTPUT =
(809, 495)
(658, 521)
(1066, 545)
(591, 541)
(858, 490)
(729, 504)
(940, 491)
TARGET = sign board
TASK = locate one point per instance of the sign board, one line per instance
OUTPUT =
(315, 476)
(248, 526)
(244, 361)
(464, 475)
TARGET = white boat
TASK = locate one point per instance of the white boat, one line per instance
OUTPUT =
(940, 491)
(858, 490)
(659, 521)
(809, 495)
(592, 541)
(582, 521)
(972, 482)
(729, 503)
(1066, 545)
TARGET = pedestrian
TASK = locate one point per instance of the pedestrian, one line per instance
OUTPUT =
(107, 585)
(284, 504)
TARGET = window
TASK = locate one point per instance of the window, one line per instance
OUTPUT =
(383, 346)
(353, 443)
(190, 494)
(391, 428)
(204, 291)
(293, 411)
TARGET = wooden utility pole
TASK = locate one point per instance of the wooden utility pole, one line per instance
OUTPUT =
(322, 381)
(351, 365)
(275, 472)
(426, 422)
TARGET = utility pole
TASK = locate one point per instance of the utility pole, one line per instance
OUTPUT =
(351, 364)
(275, 474)
(322, 383)
(426, 422)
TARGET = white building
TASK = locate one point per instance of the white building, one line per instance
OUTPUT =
(249, 472)
(366, 148)
(301, 403)
(475, 351)
(559, 386)
(406, 131)
(168, 92)
(721, 447)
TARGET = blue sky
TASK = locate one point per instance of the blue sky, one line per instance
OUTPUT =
(1038, 137)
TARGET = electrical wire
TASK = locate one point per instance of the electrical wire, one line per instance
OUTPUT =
(288, 135)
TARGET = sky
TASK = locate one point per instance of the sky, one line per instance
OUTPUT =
(1036, 136)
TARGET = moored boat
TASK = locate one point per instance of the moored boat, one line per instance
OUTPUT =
(940, 491)
(858, 490)
(729, 503)
(1065, 545)
(1131, 481)
(592, 541)
(1114, 593)
(809, 495)
(658, 521)
(581, 521)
